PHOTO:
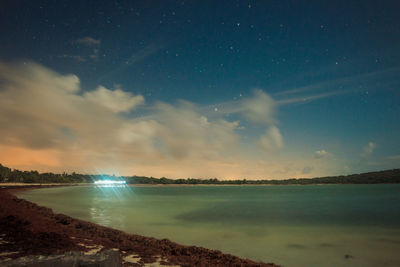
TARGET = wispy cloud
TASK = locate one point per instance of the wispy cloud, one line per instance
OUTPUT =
(74, 57)
(369, 149)
(142, 53)
(336, 87)
(394, 158)
(136, 57)
(309, 93)
(259, 107)
(307, 169)
(309, 98)
(335, 83)
(261, 110)
(95, 54)
(272, 139)
(321, 154)
(88, 41)
(92, 45)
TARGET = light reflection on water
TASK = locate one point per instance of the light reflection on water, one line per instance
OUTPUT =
(107, 198)
(288, 225)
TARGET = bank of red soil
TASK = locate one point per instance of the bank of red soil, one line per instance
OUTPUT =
(29, 229)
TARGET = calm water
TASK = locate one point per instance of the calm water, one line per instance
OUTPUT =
(287, 225)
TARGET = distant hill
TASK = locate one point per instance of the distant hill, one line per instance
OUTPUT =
(8, 175)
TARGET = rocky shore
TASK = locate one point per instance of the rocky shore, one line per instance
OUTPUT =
(27, 229)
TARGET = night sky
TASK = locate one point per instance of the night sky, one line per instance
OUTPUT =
(227, 89)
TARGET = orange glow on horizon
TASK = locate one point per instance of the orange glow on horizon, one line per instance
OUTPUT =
(29, 159)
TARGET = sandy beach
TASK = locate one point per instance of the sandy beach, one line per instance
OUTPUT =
(29, 229)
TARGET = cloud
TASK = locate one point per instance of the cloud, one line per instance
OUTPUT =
(348, 84)
(49, 123)
(92, 45)
(88, 41)
(75, 57)
(308, 98)
(272, 139)
(187, 134)
(260, 108)
(321, 154)
(137, 56)
(39, 106)
(116, 100)
(46, 114)
(394, 157)
(307, 170)
(368, 149)
(346, 168)
(142, 53)
(95, 54)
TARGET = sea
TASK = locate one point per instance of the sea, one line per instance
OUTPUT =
(312, 225)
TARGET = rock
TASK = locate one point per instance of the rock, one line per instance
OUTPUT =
(63, 219)
(109, 258)
(347, 256)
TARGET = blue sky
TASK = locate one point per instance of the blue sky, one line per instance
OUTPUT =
(267, 89)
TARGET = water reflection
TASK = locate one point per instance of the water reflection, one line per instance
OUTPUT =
(107, 199)
(288, 225)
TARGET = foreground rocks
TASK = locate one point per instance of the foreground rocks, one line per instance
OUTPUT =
(27, 229)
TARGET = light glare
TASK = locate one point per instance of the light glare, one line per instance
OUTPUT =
(109, 182)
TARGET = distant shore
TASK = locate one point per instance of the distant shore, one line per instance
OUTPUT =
(29, 229)
(8, 175)
(14, 187)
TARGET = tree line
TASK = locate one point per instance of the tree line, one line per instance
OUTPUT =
(8, 175)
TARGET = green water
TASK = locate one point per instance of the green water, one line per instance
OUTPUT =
(287, 225)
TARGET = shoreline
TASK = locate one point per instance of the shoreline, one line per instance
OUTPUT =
(18, 187)
(13, 187)
(29, 229)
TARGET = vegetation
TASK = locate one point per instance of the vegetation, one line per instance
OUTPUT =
(16, 176)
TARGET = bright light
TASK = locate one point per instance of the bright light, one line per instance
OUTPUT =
(109, 182)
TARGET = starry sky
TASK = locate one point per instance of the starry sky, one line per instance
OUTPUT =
(226, 89)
